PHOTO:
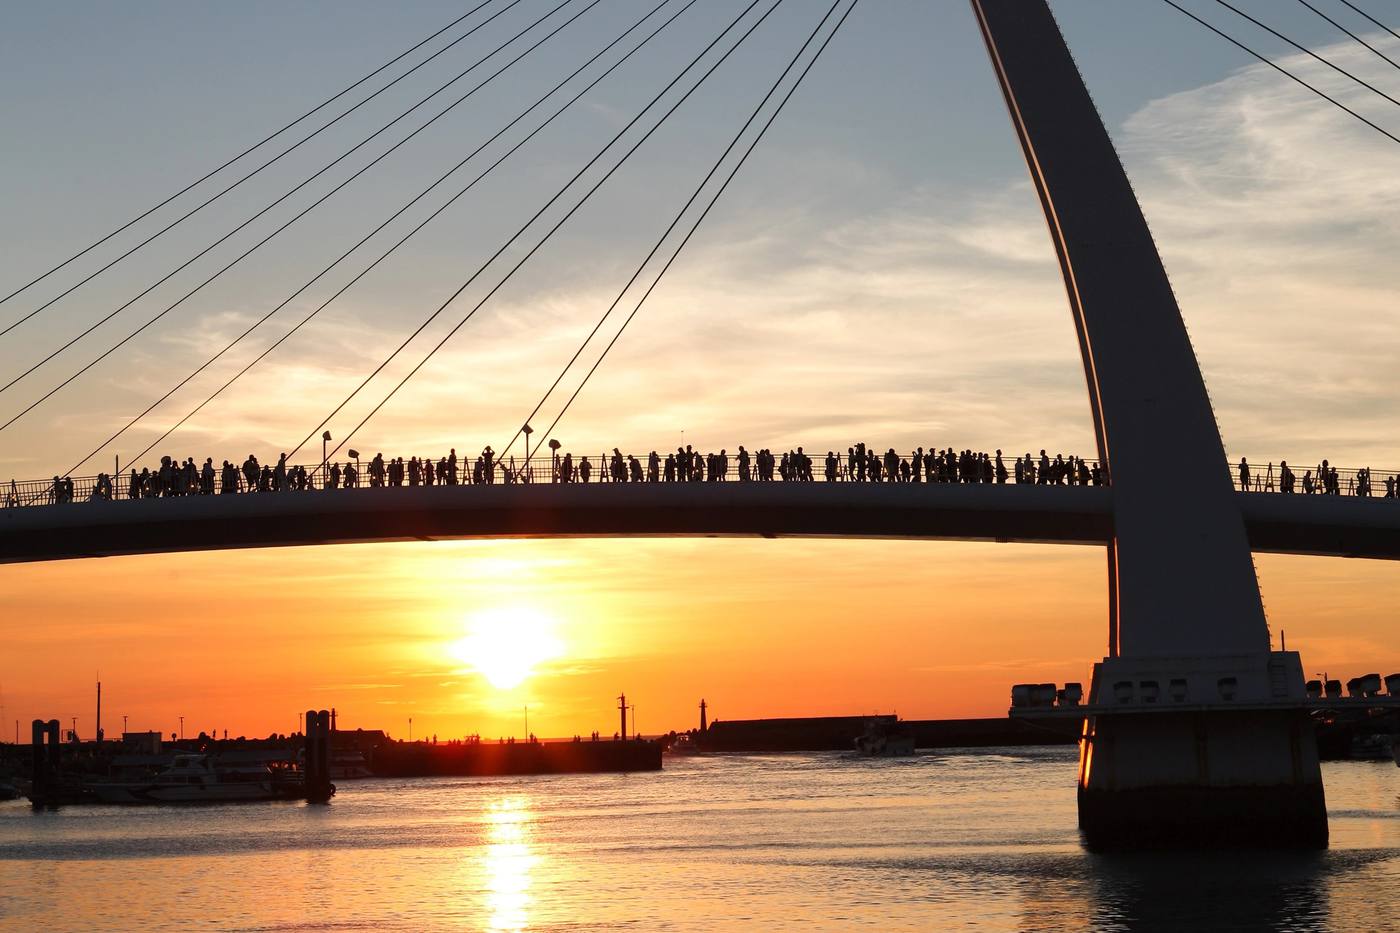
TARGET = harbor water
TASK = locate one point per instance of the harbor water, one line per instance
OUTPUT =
(983, 840)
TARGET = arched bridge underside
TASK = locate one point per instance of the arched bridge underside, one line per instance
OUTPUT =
(1316, 525)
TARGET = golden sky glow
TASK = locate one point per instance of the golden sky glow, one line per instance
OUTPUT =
(756, 627)
(850, 287)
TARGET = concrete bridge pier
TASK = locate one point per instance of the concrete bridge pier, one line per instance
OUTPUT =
(1200, 752)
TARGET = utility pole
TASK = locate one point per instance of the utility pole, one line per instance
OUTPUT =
(527, 722)
(410, 728)
(182, 728)
(123, 724)
(622, 708)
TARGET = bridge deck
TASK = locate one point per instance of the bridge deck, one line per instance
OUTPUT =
(1320, 525)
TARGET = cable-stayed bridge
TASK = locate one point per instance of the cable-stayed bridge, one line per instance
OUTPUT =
(1195, 728)
(533, 504)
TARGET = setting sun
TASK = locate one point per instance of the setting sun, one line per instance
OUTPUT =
(506, 643)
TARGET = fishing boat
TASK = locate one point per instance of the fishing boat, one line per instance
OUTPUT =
(197, 779)
(884, 738)
(683, 745)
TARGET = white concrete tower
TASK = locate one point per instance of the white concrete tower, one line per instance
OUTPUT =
(1206, 738)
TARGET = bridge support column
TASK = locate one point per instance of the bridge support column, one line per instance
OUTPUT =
(1195, 731)
(1211, 752)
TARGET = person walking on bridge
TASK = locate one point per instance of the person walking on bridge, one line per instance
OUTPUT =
(1244, 475)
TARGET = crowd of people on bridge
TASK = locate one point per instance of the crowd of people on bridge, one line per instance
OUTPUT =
(859, 464)
(1321, 480)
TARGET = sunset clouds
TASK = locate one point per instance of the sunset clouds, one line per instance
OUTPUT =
(848, 287)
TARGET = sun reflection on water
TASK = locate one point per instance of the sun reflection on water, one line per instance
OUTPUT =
(509, 859)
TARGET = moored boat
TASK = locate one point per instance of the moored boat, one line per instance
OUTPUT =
(196, 779)
(684, 744)
(884, 739)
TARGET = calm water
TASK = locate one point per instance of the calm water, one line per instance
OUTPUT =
(983, 841)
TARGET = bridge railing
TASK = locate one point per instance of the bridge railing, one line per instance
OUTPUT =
(317, 477)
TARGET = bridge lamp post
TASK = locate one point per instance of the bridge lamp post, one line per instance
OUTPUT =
(325, 439)
(554, 446)
(356, 455)
(527, 431)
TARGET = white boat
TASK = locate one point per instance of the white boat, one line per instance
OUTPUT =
(195, 779)
(884, 739)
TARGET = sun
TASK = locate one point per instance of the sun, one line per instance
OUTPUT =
(505, 644)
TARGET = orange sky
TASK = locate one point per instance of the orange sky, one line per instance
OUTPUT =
(245, 640)
(860, 282)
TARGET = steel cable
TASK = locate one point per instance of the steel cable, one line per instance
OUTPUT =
(110, 350)
(699, 220)
(419, 226)
(1371, 18)
(267, 139)
(1283, 71)
(1307, 51)
(537, 215)
(1379, 54)
(680, 215)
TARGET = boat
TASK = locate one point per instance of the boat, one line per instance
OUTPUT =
(1374, 747)
(196, 779)
(684, 744)
(883, 738)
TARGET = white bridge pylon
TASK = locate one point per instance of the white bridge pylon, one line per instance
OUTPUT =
(1235, 763)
